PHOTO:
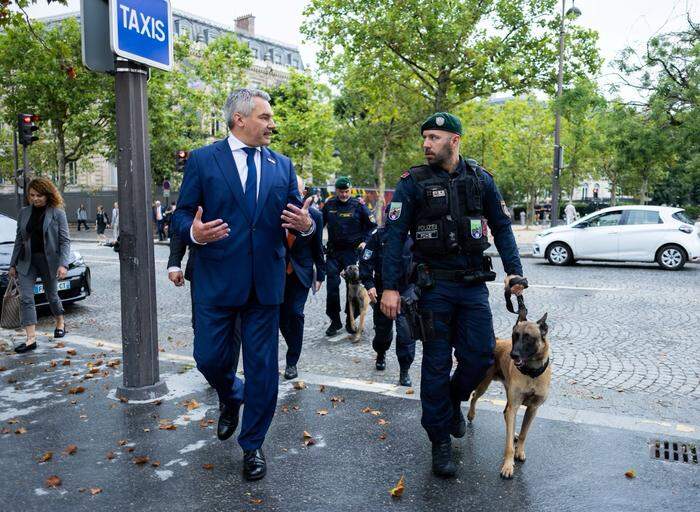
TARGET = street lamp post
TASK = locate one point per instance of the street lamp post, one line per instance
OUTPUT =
(558, 159)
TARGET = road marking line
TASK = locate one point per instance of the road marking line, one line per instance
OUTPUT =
(564, 287)
(564, 414)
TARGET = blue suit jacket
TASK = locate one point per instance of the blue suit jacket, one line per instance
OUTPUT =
(253, 255)
(303, 256)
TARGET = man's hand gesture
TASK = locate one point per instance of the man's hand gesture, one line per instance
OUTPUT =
(206, 232)
(296, 218)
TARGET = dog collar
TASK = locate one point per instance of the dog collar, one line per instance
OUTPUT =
(536, 372)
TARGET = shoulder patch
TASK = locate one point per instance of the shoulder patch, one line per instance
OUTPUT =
(487, 171)
(405, 175)
(395, 210)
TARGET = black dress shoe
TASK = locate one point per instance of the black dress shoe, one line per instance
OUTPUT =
(380, 364)
(442, 459)
(254, 465)
(228, 421)
(23, 347)
(333, 328)
(458, 426)
(405, 379)
(59, 333)
(290, 372)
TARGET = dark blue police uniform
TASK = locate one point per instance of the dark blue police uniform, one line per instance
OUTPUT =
(349, 224)
(444, 214)
(371, 277)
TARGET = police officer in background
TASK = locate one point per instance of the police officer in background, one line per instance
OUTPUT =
(445, 205)
(371, 277)
(349, 225)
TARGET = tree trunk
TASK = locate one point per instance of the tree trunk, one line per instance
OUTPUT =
(613, 192)
(443, 84)
(643, 191)
(381, 185)
(531, 208)
(60, 155)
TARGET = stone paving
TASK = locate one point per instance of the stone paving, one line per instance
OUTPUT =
(624, 337)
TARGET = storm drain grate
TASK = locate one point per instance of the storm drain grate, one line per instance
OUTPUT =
(673, 451)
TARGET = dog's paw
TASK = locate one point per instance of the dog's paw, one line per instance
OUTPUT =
(471, 415)
(520, 454)
(356, 338)
(507, 469)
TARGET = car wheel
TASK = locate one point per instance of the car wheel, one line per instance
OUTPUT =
(559, 254)
(671, 257)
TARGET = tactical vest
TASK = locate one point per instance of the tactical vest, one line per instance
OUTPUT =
(449, 215)
(344, 224)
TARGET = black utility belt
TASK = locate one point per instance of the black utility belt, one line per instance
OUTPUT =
(425, 276)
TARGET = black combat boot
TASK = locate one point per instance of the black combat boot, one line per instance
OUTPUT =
(381, 361)
(458, 426)
(405, 378)
(334, 328)
(442, 459)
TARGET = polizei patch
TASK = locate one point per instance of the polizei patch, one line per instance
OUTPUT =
(426, 231)
(395, 210)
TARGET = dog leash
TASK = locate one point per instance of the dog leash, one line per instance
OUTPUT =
(522, 310)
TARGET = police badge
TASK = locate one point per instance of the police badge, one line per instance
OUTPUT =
(475, 228)
(395, 211)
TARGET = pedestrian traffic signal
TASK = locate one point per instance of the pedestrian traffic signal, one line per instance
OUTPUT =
(26, 126)
(181, 159)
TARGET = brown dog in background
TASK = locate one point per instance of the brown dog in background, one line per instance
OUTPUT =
(358, 300)
(522, 364)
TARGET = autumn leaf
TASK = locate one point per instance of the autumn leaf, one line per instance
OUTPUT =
(256, 501)
(110, 455)
(410, 391)
(382, 422)
(76, 390)
(52, 481)
(122, 442)
(70, 449)
(53, 364)
(155, 464)
(299, 385)
(123, 400)
(382, 436)
(113, 363)
(65, 362)
(285, 408)
(71, 352)
(208, 466)
(308, 439)
(295, 407)
(376, 413)
(60, 344)
(3, 369)
(93, 370)
(322, 412)
(21, 430)
(191, 404)
(631, 473)
(397, 491)
(46, 457)
(321, 388)
(167, 425)
(95, 490)
(367, 409)
(141, 459)
(13, 421)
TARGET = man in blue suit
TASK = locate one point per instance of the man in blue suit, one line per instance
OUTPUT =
(301, 260)
(237, 201)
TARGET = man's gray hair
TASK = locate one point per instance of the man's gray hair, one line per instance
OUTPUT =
(241, 101)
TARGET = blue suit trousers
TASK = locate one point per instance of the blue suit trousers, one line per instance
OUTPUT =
(215, 351)
(462, 322)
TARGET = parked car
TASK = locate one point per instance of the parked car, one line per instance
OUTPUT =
(660, 234)
(76, 285)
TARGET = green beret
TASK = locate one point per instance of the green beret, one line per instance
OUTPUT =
(442, 121)
(343, 182)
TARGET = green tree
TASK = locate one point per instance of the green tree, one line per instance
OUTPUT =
(12, 12)
(305, 126)
(40, 72)
(448, 51)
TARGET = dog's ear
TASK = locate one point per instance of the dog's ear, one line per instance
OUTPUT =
(544, 328)
(342, 274)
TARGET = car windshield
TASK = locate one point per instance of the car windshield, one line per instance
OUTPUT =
(683, 217)
(8, 229)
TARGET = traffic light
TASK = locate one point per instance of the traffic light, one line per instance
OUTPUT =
(181, 159)
(26, 126)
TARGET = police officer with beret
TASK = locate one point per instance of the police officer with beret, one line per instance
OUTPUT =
(349, 225)
(371, 276)
(445, 206)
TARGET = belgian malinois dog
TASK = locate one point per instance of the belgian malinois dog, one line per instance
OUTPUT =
(522, 364)
(358, 301)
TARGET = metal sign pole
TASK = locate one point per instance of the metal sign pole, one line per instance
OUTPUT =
(18, 201)
(136, 260)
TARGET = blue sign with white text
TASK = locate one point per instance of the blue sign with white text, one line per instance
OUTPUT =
(141, 31)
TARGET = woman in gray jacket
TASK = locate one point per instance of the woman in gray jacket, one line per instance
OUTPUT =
(42, 248)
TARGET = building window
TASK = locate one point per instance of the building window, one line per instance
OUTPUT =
(289, 59)
(256, 53)
(176, 26)
(278, 58)
(584, 192)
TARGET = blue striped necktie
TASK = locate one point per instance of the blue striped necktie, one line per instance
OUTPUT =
(251, 184)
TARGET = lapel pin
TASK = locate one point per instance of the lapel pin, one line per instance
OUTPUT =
(271, 160)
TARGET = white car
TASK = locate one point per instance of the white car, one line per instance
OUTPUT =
(624, 233)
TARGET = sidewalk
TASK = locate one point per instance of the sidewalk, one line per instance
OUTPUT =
(165, 455)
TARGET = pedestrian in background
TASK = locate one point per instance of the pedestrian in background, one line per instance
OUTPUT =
(42, 248)
(115, 222)
(570, 213)
(81, 214)
(101, 223)
(159, 219)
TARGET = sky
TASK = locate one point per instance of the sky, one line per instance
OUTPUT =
(620, 23)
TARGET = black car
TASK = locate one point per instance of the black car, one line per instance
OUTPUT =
(76, 285)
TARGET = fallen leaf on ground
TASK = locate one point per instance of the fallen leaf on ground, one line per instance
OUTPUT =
(191, 404)
(397, 491)
(95, 490)
(410, 391)
(382, 422)
(94, 370)
(376, 413)
(256, 501)
(366, 409)
(87, 376)
(285, 408)
(21, 430)
(382, 436)
(52, 481)
(300, 384)
(208, 466)
(295, 407)
(631, 473)
(65, 362)
(110, 455)
(60, 344)
(46, 457)
(141, 459)
(123, 400)
(129, 449)
(76, 390)
(2, 369)
(155, 463)
(122, 442)
(113, 363)
(70, 449)
(53, 364)
(167, 425)
(308, 439)
(321, 388)
(71, 352)
(355, 360)
(147, 430)
(322, 412)
(5, 430)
